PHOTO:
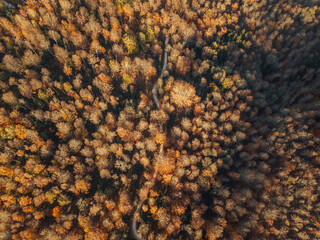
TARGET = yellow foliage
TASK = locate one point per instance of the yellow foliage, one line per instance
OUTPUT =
(43, 95)
(7, 132)
(51, 197)
(114, 66)
(62, 202)
(213, 168)
(67, 115)
(127, 79)
(227, 83)
(150, 35)
(34, 23)
(131, 44)
(20, 131)
(207, 173)
(67, 86)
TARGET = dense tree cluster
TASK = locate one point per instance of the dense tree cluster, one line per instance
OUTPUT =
(235, 143)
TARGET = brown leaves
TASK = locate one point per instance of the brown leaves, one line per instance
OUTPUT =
(82, 186)
(183, 65)
(183, 94)
(12, 64)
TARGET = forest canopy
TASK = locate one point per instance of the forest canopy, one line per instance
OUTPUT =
(194, 119)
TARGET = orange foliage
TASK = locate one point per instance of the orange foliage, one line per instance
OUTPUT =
(177, 154)
(145, 208)
(33, 148)
(165, 165)
(95, 234)
(20, 153)
(56, 211)
(128, 11)
(95, 47)
(200, 23)
(8, 200)
(18, 217)
(106, 34)
(166, 178)
(153, 209)
(67, 70)
(28, 234)
(79, 104)
(156, 18)
(123, 133)
(4, 120)
(104, 78)
(28, 209)
(199, 109)
(208, 22)
(58, 85)
(73, 94)
(160, 138)
(20, 131)
(119, 223)
(25, 200)
(178, 209)
(152, 72)
(84, 223)
(82, 186)
(234, 6)
(38, 215)
(6, 171)
(153, 193)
